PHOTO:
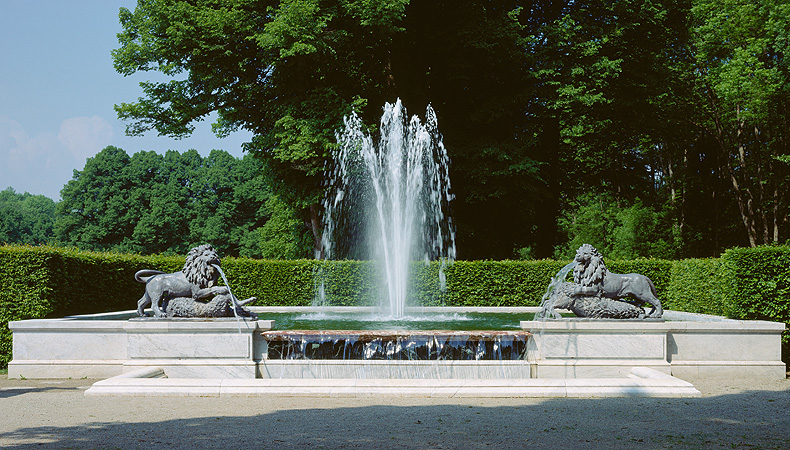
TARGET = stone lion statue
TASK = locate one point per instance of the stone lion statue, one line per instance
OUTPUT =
(222, 305)
(592, 279)
(563, 297)
(197, 281)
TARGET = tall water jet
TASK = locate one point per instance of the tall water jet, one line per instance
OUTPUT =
(395, 192)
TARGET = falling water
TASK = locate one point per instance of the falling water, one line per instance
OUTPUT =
(401, 184)
(547, 302)
(233, 298)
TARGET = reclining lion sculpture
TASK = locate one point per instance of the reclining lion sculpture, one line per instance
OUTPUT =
(564, 297)
(192, 291)
(593, 279)
(221, 305)
(598, 293)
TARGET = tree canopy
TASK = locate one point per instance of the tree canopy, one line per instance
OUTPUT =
(667, 118)
(26, 218)
(152, 203)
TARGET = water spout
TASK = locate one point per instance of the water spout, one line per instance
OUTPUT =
(547, 301)
(402, 186)
(234, 300)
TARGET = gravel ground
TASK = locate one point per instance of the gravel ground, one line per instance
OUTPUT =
(54, 414)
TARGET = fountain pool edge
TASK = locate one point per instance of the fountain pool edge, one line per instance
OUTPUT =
(641, 382)
(687, 345)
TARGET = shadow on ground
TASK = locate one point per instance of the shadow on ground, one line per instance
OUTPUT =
(8, 392)
(752, 420)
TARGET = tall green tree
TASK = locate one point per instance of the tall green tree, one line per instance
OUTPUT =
(676, 110)
(151, 203)
(287, 71)
(607, 68)
(470, 60)
(742, 78)
(230, 205)
(93, 213)
(26, 218)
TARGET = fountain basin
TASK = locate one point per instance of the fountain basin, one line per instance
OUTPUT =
(106, 345)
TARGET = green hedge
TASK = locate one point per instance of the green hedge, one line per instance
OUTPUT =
(46, 281)
(40, 282)
(699, 286)
(759, 282)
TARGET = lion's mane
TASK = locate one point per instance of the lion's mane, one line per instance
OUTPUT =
(197, 267)
(590, 270)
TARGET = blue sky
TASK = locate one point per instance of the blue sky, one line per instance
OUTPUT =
(57, 91)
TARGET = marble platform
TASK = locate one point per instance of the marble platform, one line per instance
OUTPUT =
(106, 345)
(152, 382)
(685, 345)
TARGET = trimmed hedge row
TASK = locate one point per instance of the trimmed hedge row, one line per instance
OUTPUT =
(40, 282)
(758, 283)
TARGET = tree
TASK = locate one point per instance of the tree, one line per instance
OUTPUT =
(470, 60)
(287, 71)
(618, 232)
(152, 203)
(231, 205)
(284, 236)
(93, 212)
(742, 77)
(26, 218)
(678, 104)
(290, 70)
(606, 70)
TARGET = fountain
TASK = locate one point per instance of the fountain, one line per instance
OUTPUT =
(401, 184)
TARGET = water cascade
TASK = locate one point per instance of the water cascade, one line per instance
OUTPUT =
(397, 345)
(547, 301)
(395, 191)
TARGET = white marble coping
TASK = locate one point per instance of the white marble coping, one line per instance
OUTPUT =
(591, 325)
(67, 325)
(141, 325)
(642, 382)
(147, 325)
(670, 315)
(409, 309)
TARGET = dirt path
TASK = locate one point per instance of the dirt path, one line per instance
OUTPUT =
(54, 414)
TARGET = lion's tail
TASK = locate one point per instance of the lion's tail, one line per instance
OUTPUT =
(144, 275)
(652, 287)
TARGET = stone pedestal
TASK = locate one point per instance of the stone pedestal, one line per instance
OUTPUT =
(594, 348)
(684, 345)
(102, 347)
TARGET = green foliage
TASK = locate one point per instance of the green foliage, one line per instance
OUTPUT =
(284, 236)
(607, 69)
(274, 283)
(637, 231)
(348, 283)
(45, 281)
(26, 291)
(742, 80)
(682, 104)
(700, 286)
(26, 218)
(152, 203)
(287, 71)
(760, 280)
(488, 283)
(40, 282)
